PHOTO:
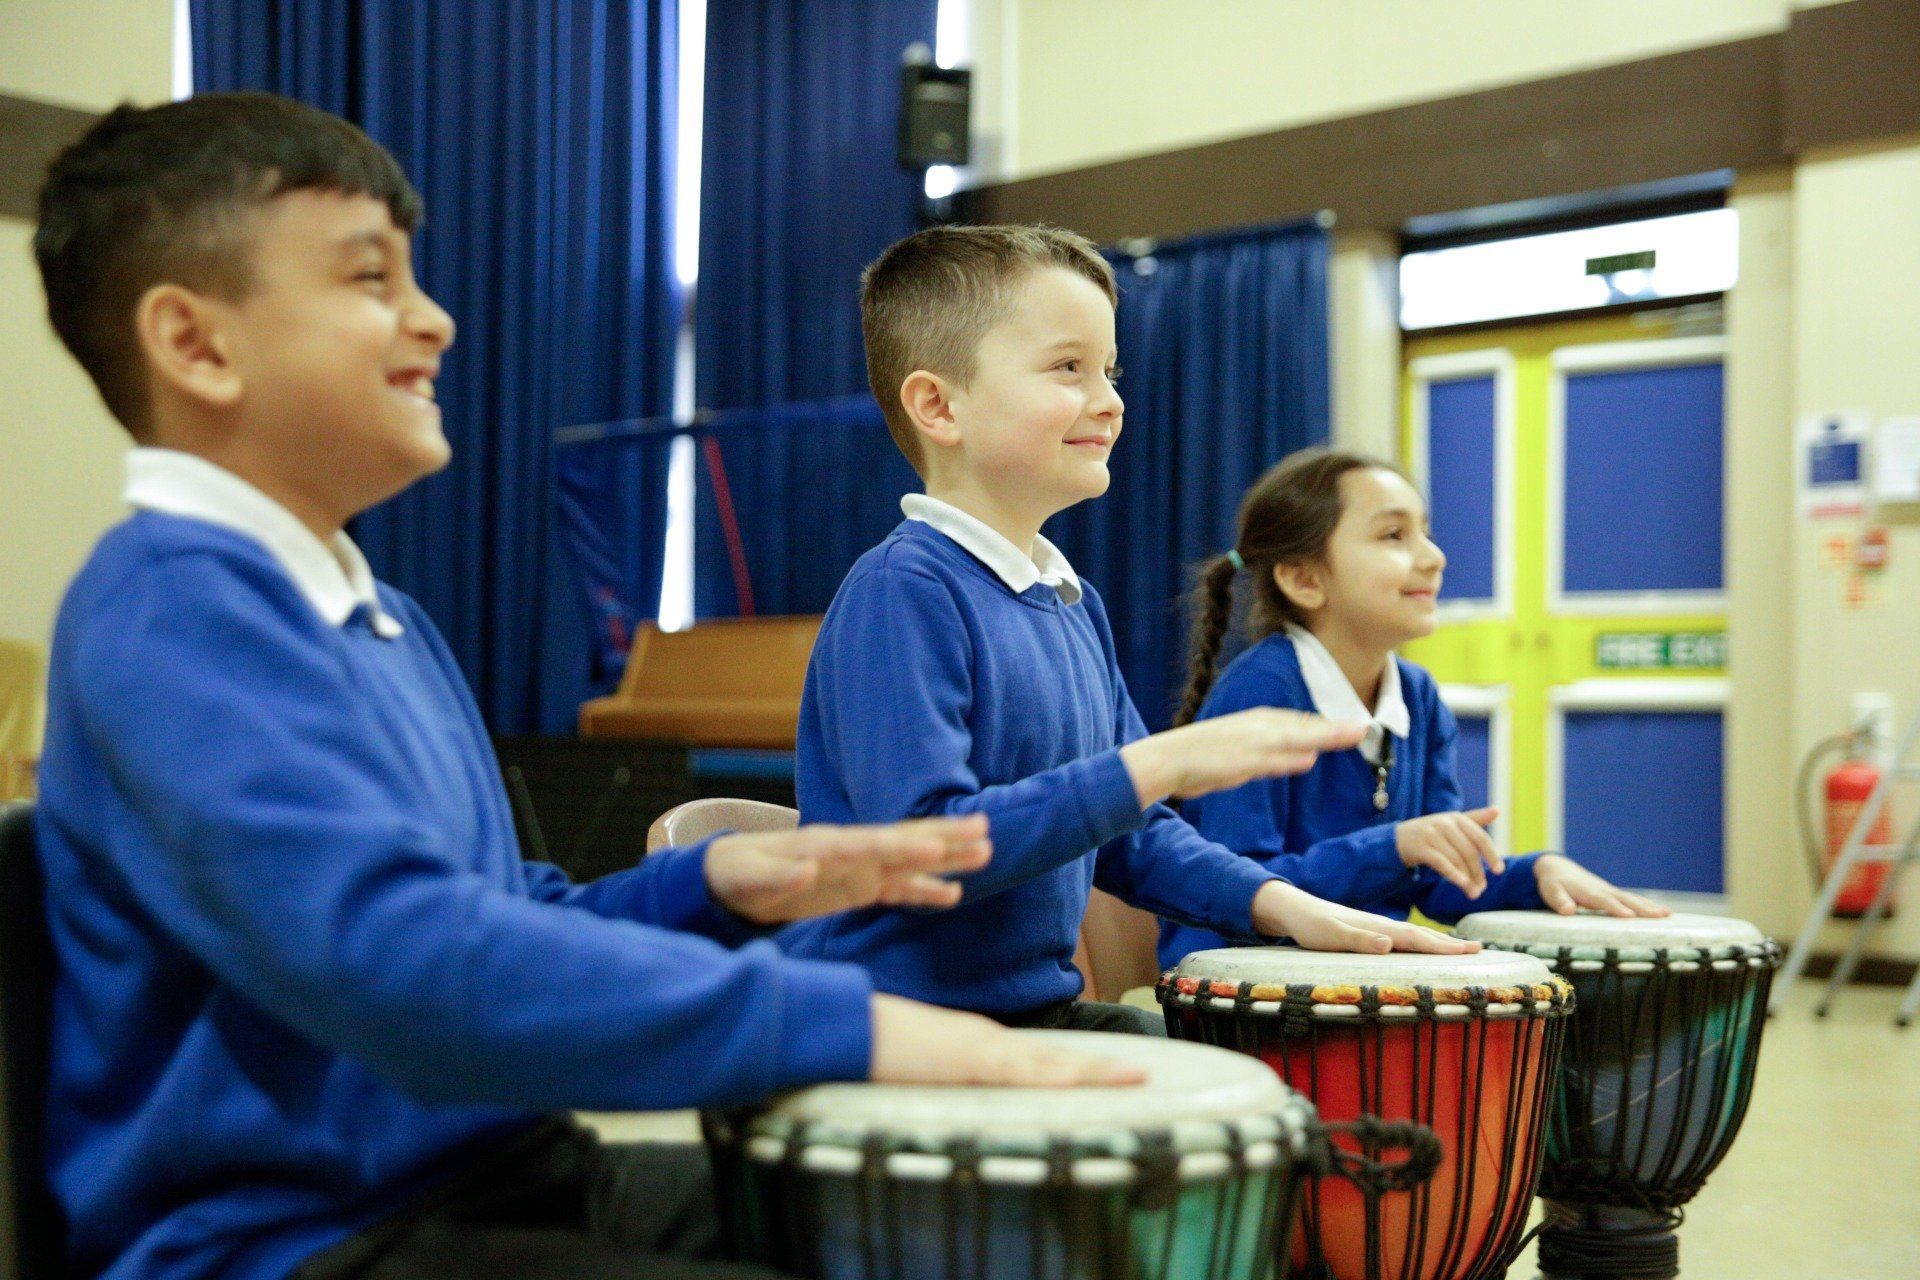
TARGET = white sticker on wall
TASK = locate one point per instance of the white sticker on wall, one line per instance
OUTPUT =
(1896, 461)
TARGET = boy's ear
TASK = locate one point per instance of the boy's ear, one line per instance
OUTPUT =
(185, 345)
(1301, 582)
(928, 400)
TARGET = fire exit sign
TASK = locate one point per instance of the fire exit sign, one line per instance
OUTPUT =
(1661, 650)
(1613, 264)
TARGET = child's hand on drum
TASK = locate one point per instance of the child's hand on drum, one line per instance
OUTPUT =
(1229, 751)
(1454, 844)
(1281, 910)
(1566, 886)
(915, 1043)
(778, 876)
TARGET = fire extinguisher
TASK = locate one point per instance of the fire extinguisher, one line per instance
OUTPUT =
(1848, 784)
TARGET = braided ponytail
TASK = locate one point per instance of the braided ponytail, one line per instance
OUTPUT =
(1212, 607)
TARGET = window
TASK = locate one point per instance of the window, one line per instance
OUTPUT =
(1678, 256)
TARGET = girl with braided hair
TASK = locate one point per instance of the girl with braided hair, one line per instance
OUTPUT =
(1343, 570)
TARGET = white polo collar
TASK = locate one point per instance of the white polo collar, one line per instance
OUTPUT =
(332, 575)
(1334, 697)
(1010, 564)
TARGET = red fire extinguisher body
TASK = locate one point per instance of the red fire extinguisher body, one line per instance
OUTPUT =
(1848, 786)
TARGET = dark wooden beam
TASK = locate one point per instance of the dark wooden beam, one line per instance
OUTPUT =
(1849, 73)
(32, 133)
(1711, 108)
(1839, 73)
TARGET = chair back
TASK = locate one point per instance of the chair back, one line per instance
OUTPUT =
(30, 1225)
(696, 820)
(1119, 948)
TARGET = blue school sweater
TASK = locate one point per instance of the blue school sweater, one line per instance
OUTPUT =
(303, 973)
(935, 688)
(1320, 829)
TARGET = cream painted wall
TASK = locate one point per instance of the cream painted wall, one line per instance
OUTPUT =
(87, 53)
(1856, 307)
(1765, 882)
(59, 449)
(1096, 80)
(1363, 322)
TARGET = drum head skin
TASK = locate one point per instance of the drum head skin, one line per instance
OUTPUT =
(1292, 966)
(1544, 932)
(1193, 1091)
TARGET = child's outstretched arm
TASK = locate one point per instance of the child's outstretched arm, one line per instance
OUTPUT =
(1450, 845)
(916, 1043)
(1172, 870)
(1458, 868)
(735, 887)
(300, 860)
(1283, 910)
(1230, 751)
(1566, 886)
(897, 739)
(1362, 868)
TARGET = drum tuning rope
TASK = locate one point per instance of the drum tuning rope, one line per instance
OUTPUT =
(1453, 1073)
(1655, 1078)
(1578, 1247)
(1196, 1176)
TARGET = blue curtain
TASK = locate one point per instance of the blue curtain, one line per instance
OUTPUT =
(540, 135)
(1223, 343)
(613, 517)
(822, 483)
(800, 189)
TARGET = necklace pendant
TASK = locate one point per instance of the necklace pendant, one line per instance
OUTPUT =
(1380, 798)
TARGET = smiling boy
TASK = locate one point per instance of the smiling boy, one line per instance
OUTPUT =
(965, 668)
(313, 1015)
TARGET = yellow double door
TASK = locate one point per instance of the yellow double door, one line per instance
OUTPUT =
(1575, 475)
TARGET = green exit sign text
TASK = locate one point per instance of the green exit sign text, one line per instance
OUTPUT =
(1660, 650)
(1642, 261)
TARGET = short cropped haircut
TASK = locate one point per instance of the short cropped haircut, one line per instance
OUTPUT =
(929, 299)
(161, 195)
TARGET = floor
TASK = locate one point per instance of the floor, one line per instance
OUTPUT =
(1824, 1180)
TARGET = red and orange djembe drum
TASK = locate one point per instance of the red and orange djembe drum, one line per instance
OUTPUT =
(1654, 1083)
(1465, 1045)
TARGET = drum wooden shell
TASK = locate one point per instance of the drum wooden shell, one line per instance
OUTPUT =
(1193, 1176)
(1468, 1047)
(1661, 1050)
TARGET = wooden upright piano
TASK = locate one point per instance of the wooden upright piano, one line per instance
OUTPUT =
(733, 682)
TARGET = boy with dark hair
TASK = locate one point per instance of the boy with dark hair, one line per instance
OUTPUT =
(311, 1005)
(964, 668)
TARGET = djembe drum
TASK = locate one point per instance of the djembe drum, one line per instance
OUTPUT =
(1466, 1045)
(1191, 1176)
(1655, 1079)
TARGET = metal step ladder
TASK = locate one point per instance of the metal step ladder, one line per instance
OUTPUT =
(1905, 767)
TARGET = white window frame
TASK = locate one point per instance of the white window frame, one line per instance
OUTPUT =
(1498, 363)
(1614, 357)
(1538, 275)
(1709, 694)
(1494, 704)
